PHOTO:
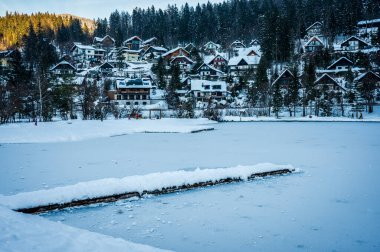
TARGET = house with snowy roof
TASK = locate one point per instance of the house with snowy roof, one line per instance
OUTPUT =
(106, 68)
(208, 71)
(314, 44)
(133, 43)
(175, 52)
(185, 63)
(368, 77)
(217, 61)
(63, 68)
(105, 42)
(314, 30)
(129, 54)
(190, 47)
(154, 52)
(237, 44)
(327, 81)
(254, 42)
(204, 90)
(341, 64)
(129, 91)
(245, 59)
(285, 78)
(354, 44)
(241, 64)
(211, 47)
(150, 42)
(81, 53)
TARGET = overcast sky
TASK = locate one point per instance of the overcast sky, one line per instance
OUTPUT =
(86, 8)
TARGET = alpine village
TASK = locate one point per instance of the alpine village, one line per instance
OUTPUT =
(241, 57)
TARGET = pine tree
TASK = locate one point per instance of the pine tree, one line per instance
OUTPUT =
(277, 99)
(172, 96)
(294, 89)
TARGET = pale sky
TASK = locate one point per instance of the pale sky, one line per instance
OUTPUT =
(86, 8)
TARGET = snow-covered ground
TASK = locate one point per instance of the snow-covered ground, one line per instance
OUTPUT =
(331, 206)
(20, 232)
(62, 131)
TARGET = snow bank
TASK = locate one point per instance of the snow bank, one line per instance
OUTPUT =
(114, 186)
(20, 232)
(296, 119)
(63, 131)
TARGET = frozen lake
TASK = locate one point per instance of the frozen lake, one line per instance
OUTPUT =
(332, 206)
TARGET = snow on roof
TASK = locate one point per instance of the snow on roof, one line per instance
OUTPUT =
(211, 67)
(250, 60)
(200, 85)
(247, 50)
(312, 39)
(365, 22)
(63, 62)
(149, 40)
(182, 57)
(341, 58)
(237, 42)
(356, 39)
(313, 25)
(215, 44)
(281, 74)
(81, 46)
(133, 83)
(132, 38)
(364, 74)
(173, 50)
(209, 58)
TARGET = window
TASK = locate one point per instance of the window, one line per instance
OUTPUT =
(144, 97)
(136, 103)
(144, 103)
(217, 87)
(128, 103)
(207, 87)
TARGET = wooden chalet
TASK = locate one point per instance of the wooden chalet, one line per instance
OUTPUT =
(254, 42)
(150, 42)
(368, 77)
(175, 52)
(206, 70)
(284, 79)
(237, 44)
(218, 62)
(190, 47)
(106, 68)
(314, 29)
(211, 47)
(327, 81)
(154, 52)
(105, 42)
(63, 68)
(133, 43)
(354, 44)
(314, 44)
(342, 64)
(185, 64)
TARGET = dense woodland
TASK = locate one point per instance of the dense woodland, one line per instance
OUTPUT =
(274, 22)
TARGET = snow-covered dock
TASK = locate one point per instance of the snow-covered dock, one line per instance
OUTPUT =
(110, 190)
